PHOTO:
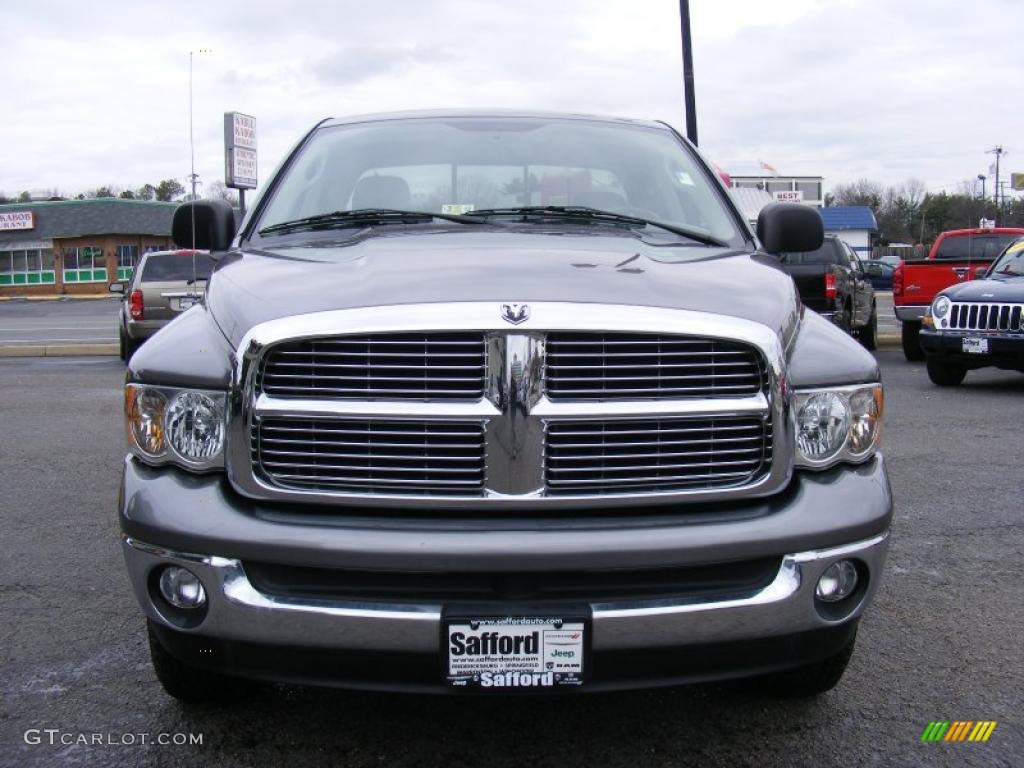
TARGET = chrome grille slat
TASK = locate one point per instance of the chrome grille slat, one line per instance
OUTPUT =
(689, 456)
(610, 366)
(340, 377)
(999, 317)
(628, 366)
(377, 483)
(392, 457)
(396, 366)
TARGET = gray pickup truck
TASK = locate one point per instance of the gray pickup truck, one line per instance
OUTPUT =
(484, 402)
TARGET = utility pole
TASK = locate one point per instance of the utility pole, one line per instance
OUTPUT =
(998, 151)
(688, 93)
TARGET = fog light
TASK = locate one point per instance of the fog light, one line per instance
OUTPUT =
(181, 588)
(837, 582)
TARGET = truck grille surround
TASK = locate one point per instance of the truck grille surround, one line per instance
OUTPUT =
(986, 317)
(507, 417)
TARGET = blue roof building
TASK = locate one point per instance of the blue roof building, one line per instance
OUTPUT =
(855, 225)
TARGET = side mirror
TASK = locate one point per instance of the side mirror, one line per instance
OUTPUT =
(789, 227)
(214, 225)
(116, 288)
(979, 272)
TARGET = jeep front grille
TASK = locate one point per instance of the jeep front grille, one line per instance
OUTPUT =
(634, 366)
(649, 456)
(985, 317)
(371, 457)
(397, 366)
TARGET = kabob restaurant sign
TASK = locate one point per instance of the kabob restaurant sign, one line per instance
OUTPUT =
(18, 220)
(239, 150)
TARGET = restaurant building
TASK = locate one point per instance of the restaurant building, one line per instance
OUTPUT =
(77, 247)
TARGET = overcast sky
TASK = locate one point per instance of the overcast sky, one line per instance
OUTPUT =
(97, 93)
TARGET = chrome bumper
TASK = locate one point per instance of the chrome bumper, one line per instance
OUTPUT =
(910, 312)
(237, 611)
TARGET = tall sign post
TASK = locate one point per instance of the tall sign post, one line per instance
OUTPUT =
(240, 153)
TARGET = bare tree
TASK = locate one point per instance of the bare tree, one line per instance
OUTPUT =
(860, 192)
(218, 190)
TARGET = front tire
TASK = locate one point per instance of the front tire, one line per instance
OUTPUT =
(192, 685)
(810, 679)
(910, 335)
(868, 335)
(944, 374)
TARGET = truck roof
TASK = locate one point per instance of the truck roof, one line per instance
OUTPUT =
(982, 231)
(485, 113)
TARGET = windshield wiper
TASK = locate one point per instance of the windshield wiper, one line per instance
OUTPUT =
(362, 216)
(583, 213)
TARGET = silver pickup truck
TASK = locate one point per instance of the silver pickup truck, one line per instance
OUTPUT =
(482, 402)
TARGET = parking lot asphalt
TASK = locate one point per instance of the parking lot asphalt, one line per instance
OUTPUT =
(66, 321)
(942, 641)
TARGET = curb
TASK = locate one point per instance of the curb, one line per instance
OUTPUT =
(60, 350)
(63, 297)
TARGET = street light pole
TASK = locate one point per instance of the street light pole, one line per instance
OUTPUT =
(981, 178)
(998, 152)
(688, 93)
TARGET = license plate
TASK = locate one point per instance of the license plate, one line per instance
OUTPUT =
(975, 346)
(184, 304)
(514, 653)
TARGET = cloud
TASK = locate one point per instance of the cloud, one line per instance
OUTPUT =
(350, 65)
(844, 88)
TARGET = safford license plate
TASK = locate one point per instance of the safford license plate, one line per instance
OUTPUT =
(975, 346)
(514, 653)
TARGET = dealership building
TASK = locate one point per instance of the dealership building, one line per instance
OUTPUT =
(77, 247)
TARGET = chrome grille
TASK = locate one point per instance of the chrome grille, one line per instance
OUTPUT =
(635, 366)
(397, 366)
(370, 456)
(441, 406)
(607, 457)
(985, 317)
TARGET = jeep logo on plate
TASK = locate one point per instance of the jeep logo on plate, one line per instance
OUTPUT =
(515, 313)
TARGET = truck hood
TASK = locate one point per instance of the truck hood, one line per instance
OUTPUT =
(999, 288)
(439, 266)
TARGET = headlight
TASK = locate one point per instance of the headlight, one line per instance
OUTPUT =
(940, 307)
(180, 426)
(823, 424)
(837, 424)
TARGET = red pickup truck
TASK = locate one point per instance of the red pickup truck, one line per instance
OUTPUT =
(956, 256)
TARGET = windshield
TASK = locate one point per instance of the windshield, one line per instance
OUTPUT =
(176, 266)
(1012, 260)
(825, 254)
(460, 165)
(973, 246)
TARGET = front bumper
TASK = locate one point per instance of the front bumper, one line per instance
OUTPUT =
(1005, 350)
(171, 517)
(911, 312)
